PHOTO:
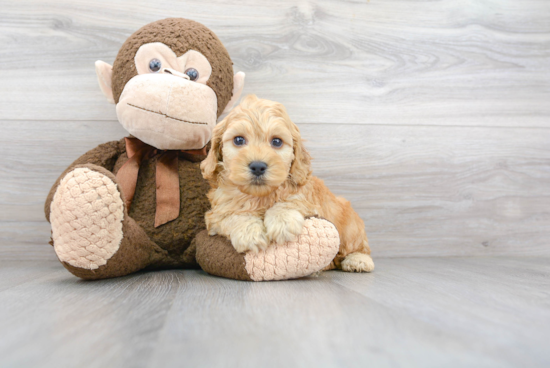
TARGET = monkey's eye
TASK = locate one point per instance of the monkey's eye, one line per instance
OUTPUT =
(277, 142)
(239, 141)
(192, 73)
(155, 65)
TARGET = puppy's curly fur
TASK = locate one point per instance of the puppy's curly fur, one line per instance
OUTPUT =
(253, 210)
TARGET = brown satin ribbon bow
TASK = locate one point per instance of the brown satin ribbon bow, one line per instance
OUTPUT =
(166, 176)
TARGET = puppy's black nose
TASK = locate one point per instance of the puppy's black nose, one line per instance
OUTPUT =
(258, 168)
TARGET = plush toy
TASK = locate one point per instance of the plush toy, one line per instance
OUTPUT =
(140, 202)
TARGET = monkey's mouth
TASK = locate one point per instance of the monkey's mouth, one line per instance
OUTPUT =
(165, 115)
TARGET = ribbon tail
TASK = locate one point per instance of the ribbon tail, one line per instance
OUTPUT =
(168, 188)
(127, 177)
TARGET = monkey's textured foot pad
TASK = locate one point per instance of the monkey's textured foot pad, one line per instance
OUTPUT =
(86, 217)
(312, 251)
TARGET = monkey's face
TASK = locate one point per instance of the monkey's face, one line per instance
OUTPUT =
(168, 104)
(171, 96)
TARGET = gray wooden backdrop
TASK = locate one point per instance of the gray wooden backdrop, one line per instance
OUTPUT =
(432, 117)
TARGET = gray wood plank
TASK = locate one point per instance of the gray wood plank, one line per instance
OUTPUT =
(305, 323)
(20, 241)
(375, 62)
(61, 321)
(35, 160)
(484, 298)
(421, 190)
(15, 273)
(431, 312)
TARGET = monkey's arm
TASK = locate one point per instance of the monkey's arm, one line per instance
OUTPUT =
(105, 155)
(311, 252)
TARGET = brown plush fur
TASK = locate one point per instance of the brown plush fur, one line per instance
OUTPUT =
(175, 236)
(164, 246)
(217, 257)
(254, 211)
(181, 35)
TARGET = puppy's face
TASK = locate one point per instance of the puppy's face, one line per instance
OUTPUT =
(257, 152)
(255, 148)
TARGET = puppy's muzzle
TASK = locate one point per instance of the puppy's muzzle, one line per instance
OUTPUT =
(257, 168)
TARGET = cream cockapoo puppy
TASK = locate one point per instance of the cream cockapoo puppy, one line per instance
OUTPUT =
(262, 187)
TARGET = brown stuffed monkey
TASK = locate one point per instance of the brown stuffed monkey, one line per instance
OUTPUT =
(140, 202)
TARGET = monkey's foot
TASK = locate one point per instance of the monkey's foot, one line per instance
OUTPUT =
(86, 217)
(311, 252)
(93, 236)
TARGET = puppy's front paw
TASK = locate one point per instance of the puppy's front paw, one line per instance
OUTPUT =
(250, 236)
(283, 225)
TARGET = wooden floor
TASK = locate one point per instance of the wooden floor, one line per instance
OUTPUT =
(419, 312)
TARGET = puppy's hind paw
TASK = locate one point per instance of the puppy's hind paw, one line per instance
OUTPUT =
(249, 238)
(283, 226)
(358, 262)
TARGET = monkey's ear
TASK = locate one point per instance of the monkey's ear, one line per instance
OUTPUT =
(104, 73)
(238, 84)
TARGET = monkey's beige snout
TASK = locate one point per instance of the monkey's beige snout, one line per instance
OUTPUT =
(166, 112)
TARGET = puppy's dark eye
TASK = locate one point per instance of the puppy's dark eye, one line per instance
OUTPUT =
(192, 73)
(155, 65)
(277, 142)
(239, 141)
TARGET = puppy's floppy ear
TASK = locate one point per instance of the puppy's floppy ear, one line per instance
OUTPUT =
(300, 170)
(209, 167)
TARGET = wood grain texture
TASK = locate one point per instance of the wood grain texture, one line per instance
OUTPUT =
(420, 190)
(432, 117)
(434, 312)
(364, 62)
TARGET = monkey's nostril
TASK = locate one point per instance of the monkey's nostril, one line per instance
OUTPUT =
(258, 168)
(176, 73)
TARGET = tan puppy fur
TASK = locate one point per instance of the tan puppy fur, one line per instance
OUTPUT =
(252, 211)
